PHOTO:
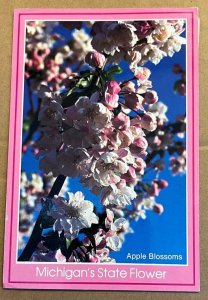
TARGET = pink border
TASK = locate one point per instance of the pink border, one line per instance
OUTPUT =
(22, 275)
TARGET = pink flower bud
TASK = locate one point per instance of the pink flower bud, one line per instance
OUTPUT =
(161, 183)
(95, 59)
(24, 148)
(122, 152)
(151, 97)
(112, 87)
(36, 151)
(121, 121)
(143, 28)
(111, 101)
(130, 176)
(131, 172)
(149, 121)
(158, 208)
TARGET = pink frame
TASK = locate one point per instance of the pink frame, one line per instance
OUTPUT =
(23, 275)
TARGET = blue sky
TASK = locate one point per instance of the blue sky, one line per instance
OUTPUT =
(164, 234)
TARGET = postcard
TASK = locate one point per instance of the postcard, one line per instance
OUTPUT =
(102, 186)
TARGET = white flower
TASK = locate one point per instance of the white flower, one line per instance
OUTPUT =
(80, 35)
(140, 213)
(174, 45)
(141, 205)
(122, 34)
(113, 242)
(126, 228)
(81, 44)
(148, 203)
(159, 109)
(91, 114)
(120, 197)
(72, 216)
(108, 169)
(162, 33)
(114, 236)
(149, 121)
(152, 53)
(74, 162)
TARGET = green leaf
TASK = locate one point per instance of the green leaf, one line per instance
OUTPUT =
(26, 126)
(84, 81)
(68, 243)
(114, 70)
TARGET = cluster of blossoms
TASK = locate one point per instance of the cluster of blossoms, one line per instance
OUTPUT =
(76, 214)
(42, 62)
(48, 63)
(91, 141)
(145, 201)
(138, 41)
(167, 137)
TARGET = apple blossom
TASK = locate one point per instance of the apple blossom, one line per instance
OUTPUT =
(150, 97)
(141, 73)
(95, 59)
(73, 215)
(149, 121)
(108, 168)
